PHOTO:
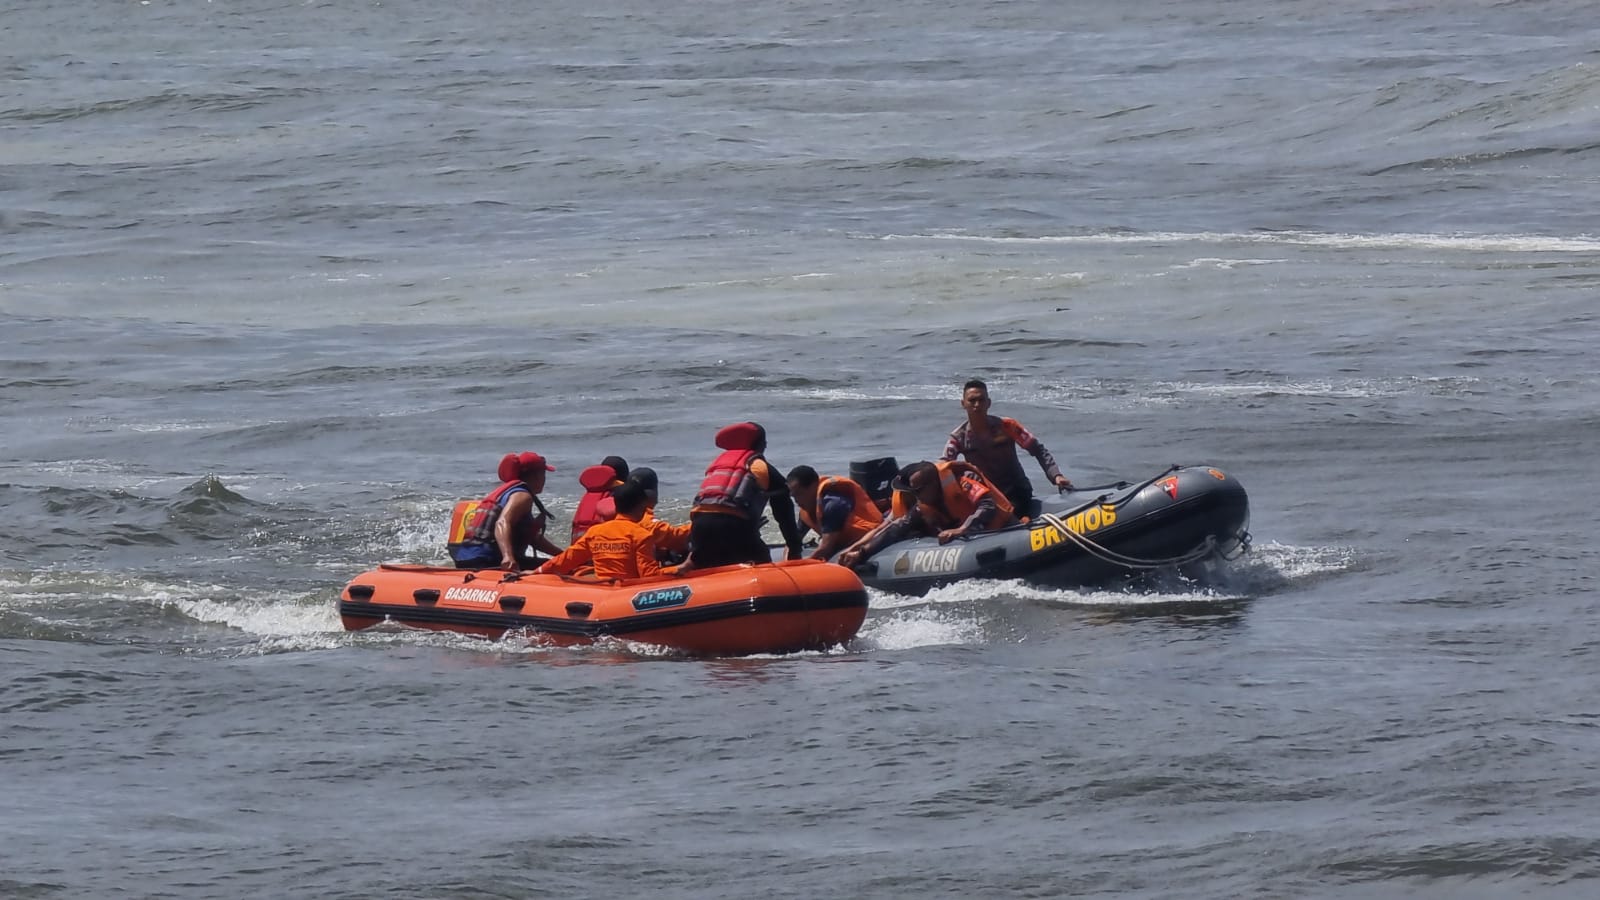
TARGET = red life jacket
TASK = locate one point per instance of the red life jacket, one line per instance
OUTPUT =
(596, 505)
(472, 521)
(730, 486)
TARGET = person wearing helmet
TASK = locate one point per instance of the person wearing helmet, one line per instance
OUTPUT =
(497, 531)
(725, 521)
(596, 505)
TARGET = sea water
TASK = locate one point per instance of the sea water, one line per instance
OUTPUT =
(279, 282)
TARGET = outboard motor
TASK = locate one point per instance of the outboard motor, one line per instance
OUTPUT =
(874, 476)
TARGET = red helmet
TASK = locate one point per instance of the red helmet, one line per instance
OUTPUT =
(742, 436)
(522, 466)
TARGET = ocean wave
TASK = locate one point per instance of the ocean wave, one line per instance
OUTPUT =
(276, 617)
(203, 525)
(1474, 160)
(1516, 863)
(1503, 243)
(1565, 95)
(170, 100)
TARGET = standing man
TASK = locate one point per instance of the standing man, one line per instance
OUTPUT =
(990, 443)
(725, 521)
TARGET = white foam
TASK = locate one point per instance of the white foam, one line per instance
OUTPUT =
(1348, 390)
(43, 588)
(80, 472)
(298, 643)
(1211, 262)
(1507, 243)
(386, 634)
(1075, 395)
(843, 395)
(924, 627)
(162, 427)
(422, 527)
(284, 619)
(416, 532)
(767, 281)
(1339, 389)
(268, 617)
(1296, 563)
(1049, 277)
(980, 590)
(892, 392)
(966, 591)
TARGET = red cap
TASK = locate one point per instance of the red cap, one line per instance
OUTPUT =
(515, 466)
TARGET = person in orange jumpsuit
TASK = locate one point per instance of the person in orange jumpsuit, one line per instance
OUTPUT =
(671, 540)
(618, 548)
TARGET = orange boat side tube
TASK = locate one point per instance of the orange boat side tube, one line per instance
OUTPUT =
(772, 608)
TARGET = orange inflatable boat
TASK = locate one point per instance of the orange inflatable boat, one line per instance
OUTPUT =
(732, 610)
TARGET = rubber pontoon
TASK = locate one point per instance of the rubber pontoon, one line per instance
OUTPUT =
(731, 610)
(1181, 517)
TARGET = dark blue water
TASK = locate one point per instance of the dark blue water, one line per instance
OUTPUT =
(277, 285)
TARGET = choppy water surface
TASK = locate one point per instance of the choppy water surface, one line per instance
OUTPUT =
(277, 285)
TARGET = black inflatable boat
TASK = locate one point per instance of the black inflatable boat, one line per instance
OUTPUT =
(1179, 518)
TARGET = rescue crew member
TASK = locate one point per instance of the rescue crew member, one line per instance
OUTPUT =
(991, 442)
(947, 499)
(725, 521)
(595, 506)
(618, 548)
(497, 530)
(618, 465)
(672, 541)
(837, 509)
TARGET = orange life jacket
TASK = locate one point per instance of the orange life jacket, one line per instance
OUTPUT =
(596, 505)
(961, 485)
(864, 514)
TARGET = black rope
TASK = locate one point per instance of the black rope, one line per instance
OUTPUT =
(1119, 485)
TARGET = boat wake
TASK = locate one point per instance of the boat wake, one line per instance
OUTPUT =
(978, 611)
(74, 606)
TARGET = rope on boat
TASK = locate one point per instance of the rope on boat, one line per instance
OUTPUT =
(1119, 486)
(1206, 548)
(1149, 481)
(1103, 499)
(1109, 486)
